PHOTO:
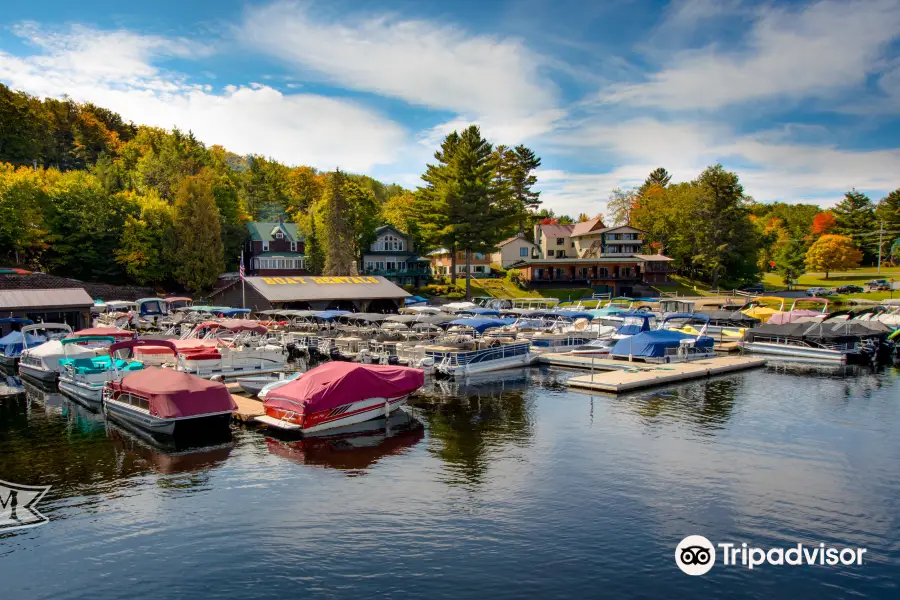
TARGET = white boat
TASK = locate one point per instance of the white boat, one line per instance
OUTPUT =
(42, 362)
(83, 378)
(339, 394)
(481, 353)
(255, 384)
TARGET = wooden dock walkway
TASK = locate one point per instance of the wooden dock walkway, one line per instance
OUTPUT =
(624, 376)
(247, 409)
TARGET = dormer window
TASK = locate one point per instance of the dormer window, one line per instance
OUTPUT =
(279, 235)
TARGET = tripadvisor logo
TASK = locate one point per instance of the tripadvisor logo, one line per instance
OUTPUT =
(696, 555)
(18, 505)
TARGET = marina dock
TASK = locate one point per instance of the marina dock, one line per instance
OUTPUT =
(616, 376)
(247, 409)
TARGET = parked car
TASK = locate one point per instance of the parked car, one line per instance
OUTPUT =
(818, 291)
(849, 289)
(878, 285)
(756, 288)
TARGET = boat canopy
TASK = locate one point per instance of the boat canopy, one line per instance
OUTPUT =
(368, 317)
(83, 339)
(143, 343)
(640, 322)
(576, 314)
(734, 316)
(17, 321)
(104, 331)
(480, 325)
(436, 319)
(54, 348)
(230, 312)
(481, 312)
(235, 325)
(415, 300)
(336, 384)
(405, 319)
(148, 307)
(173, 394)
(686, 316)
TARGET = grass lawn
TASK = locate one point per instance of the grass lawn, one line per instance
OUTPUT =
(855, 276)
(501, 288)
(683, 286)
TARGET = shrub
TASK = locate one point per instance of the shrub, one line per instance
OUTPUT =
(514, 276)
(408, 287)
(456, 295)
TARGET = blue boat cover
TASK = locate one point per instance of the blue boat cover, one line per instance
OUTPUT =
(11, 344)
(481, 325)
(485, 312)
(653, 344)
(415, 300)
(230, 312)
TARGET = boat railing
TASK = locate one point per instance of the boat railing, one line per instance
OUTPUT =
(466, 357)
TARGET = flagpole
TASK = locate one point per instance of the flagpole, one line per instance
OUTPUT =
(243, 293)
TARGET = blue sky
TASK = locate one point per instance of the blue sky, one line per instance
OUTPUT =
(801, 98)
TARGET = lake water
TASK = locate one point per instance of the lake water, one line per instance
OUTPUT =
(512, 486)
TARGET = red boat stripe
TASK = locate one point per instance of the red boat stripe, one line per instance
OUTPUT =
(350, 414)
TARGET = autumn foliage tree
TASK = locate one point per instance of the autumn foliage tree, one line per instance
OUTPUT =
(823, 223)
(832, 253)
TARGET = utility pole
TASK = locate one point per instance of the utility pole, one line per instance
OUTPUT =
(880, 243)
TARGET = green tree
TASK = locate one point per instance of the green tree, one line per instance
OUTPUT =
(339, 233)
(315, 259)
(658, 176)
(363, 215)
(199, 252)
(437, 202)
(855, 217)
(790, 260)
(148, 242)
(23, 232)
(888, 211)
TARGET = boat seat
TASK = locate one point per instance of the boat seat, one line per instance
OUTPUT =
(99, 364)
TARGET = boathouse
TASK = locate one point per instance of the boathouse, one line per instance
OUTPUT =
(66, 305)
(364, 293)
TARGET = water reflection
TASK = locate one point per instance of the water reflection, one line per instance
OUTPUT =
(354, 448)
(708, 404)
(471, 418)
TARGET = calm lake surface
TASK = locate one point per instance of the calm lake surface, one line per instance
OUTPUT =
(512, 486)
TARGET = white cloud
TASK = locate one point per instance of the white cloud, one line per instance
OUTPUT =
(487, 79)
(117, 70)
(820, 50)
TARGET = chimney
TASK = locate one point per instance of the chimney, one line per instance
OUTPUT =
(537, 234)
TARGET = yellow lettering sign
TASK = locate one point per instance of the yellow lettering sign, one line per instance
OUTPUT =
(269, 280)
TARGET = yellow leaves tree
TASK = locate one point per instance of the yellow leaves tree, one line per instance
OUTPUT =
(832, 253)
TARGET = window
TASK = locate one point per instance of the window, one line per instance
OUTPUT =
(603, 272)
(279, 235)
(612, 249)
(479, 268)
(573, 243)
(560, 241)
(265, 246)
(523, 252)
(391, 266)
(625, 272)
(293, 246)
(560, 254)
(256, 263)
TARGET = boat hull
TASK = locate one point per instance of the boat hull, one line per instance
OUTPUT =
(342, 416)
(788, 351)
(43, 375)
(486, 366)
(135, 417)
(84, 392)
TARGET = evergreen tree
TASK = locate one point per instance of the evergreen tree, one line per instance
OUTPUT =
(523, 163)
(315, 260)
(199, 253)
(658, 176)
(339, 248)
(790, 260)
(436, 207)
(888, 211)
(855, 216)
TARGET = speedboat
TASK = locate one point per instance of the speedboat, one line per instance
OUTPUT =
(11, 345)
(164, 400)
(339, 394)
(84, 377)
(632, 323)
(667, 345)
(42, 362)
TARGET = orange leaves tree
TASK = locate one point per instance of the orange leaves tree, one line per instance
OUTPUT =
(831, 253)
(823, 223)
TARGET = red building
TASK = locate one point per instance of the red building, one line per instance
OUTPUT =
(274, 249)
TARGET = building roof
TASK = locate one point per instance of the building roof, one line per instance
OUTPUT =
(383, 228)
(654, 257)
(309, 289)
(603, 230)
(277, 254)
(264, 231)
(587, 226)
(42, 281)
(543, 262)
(556, 230)
(520, 236)
(53, 298)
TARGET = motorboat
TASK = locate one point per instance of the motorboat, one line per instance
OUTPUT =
(483, 354)
(667, 344)
(42, 362)
(569, 330)
(149, 313)
(632, 323)
(12, 344)
(255, 384)
(83, 377)
(163, 401)
(114, 313)
(339, 394)
(801, 315)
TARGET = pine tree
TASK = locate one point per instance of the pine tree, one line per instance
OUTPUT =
(855, 217)
(199, 253)
(339, 248)
(790, 260)
(888, 211)
(522, 180)
(436, 206)
(315, 260)
(658, 176)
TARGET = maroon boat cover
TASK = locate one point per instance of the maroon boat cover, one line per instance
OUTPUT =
(114, 332)
(176, 394)
(337, 383)
(236, 325)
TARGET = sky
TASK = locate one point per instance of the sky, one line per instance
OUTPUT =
(801, 99)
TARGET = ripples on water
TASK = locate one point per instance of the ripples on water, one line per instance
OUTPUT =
(506, 486)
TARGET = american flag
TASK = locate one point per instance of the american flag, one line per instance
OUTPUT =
(241, 269)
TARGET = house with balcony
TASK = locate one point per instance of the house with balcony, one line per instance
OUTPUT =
(274, 248)
(393, 256)
(608, 259)
(442, 263)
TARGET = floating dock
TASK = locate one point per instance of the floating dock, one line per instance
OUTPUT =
(617, 376)
(247, 409)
